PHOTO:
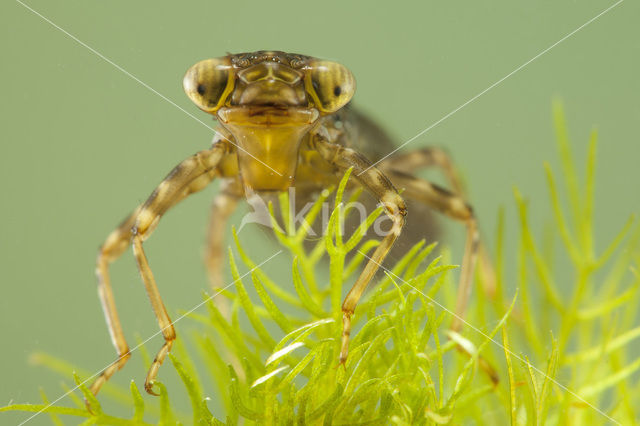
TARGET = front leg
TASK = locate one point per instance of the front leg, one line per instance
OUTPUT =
(192, 175)
(380, 186)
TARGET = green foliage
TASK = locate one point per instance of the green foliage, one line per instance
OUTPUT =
(272, 358)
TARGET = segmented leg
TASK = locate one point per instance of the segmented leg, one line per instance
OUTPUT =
(192, 175)
(115, 244)
(224, 204)
(410, 162)
(455, 207)
(380, 186)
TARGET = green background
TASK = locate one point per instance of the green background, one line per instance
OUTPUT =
(83, 143)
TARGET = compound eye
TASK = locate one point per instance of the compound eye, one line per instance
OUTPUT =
(208, 83)
(330, 84)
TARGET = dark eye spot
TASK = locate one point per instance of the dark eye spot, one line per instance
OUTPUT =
(201, 89)
(337, 90)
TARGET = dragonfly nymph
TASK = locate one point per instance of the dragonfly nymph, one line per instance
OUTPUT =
(283, 121)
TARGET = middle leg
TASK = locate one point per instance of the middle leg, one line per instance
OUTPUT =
(223, 206)
(412, 161)
(455, 207)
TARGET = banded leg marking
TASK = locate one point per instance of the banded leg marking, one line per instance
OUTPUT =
(191, 175)
(455, 207)
(410, 162)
